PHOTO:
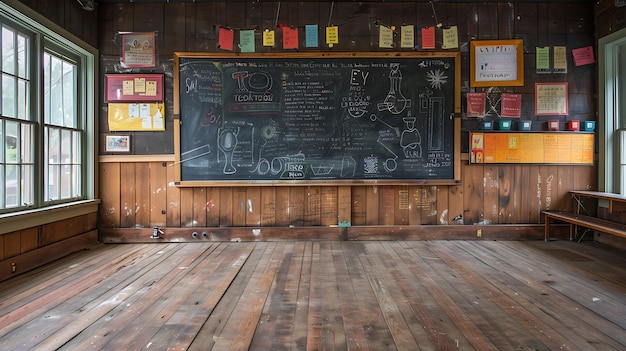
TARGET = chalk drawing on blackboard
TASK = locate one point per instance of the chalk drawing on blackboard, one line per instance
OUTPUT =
(268, 132)
(290, 166)
(436, 118)
(195, 153)
(395, 102)
(374, 118)
(411, 140)
(348, 166)
(321, 169)
(227, 143)
(357, 103)
(370, 165)
(436, 78)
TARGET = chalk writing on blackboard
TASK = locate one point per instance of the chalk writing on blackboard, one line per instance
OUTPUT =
(298, 119)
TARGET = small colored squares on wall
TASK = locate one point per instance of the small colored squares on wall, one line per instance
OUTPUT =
(524, 125)
(573, 125)
(589, 126)
(553, 124)
(486, 125)
(504, 124)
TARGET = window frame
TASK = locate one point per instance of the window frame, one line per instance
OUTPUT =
(49, 34)
(611, 121)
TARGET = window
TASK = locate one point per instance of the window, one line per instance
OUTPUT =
(612, 113)
(45, 123)
(62, 133)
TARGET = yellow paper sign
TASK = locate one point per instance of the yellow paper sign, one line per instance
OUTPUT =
(385, 38)
(268, 38)
(140, 85)
(151, 88)
(128, 88)
(450, 38)
(332, 35)
(407, 37)
(560, 60)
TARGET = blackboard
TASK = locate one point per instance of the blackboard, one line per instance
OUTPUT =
(340, 117)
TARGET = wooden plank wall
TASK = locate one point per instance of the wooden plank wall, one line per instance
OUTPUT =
(490, 194)
(27, 249)
(138, 194)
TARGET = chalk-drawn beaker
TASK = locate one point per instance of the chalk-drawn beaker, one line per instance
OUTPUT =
(227, 143)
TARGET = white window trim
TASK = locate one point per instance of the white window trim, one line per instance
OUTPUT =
(609, 177)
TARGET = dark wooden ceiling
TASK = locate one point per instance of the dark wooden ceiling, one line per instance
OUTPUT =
(434, 1)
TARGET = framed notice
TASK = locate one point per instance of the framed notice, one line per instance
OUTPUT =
(496, 63)
(133, 87)
(138, 50)
(117, 143)
(551, 99)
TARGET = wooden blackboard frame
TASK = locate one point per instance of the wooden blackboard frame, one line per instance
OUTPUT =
(311, 55)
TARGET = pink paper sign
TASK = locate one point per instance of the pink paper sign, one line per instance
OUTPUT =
(583, 56)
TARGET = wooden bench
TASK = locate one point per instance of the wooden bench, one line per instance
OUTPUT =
(601, 225)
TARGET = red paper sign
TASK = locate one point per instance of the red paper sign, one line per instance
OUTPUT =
(476, 104)
(428, 38)
(226, 39)
(290, 38)
(511, 105)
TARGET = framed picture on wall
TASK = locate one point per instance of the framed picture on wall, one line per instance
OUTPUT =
(551, 99)
(496, 63)
(138, 50)
(117, 143)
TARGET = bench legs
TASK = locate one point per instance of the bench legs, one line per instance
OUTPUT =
(547, 230)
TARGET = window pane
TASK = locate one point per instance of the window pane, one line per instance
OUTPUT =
(69, 95)
(77, 146)
(28, 197)
(27, 142)
(8, 95)
(13, 188)
(8, 50)
(22, 99)
(22, 63)
(46, 88)
(77, 181)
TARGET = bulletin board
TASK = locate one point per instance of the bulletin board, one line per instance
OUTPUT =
(145, 116)
(532, 147)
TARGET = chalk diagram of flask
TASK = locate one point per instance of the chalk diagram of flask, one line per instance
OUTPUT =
(227, 143)
(394, 102)
(411, 140)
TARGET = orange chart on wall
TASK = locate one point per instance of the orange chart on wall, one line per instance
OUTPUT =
(551, 148)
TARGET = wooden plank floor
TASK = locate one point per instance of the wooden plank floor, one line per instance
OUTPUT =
(322, 295)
